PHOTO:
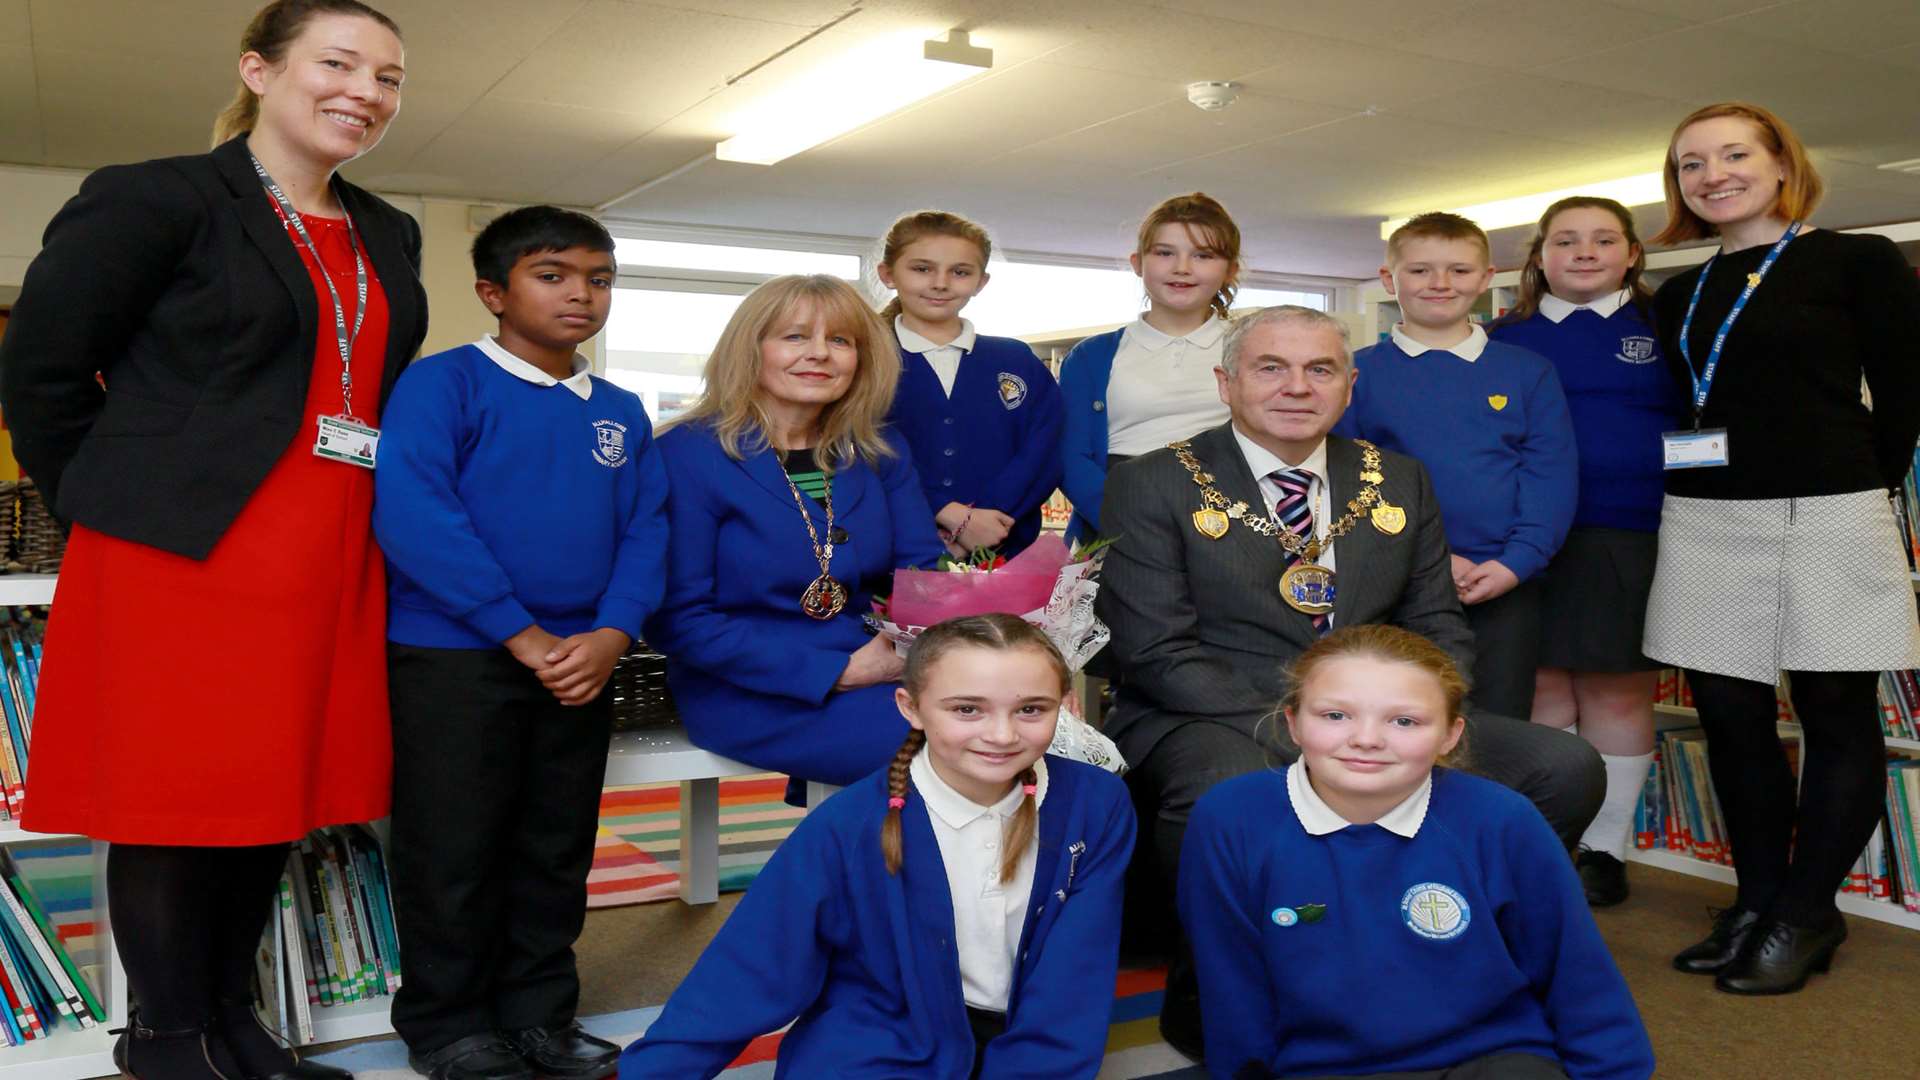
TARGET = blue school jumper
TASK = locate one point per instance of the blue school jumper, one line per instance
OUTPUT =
(1362, 951)
(1493, 433)
(1084, 376)
(500, 503)
(866, 960)
(995, 442)
(752, 675)
(1621, 399)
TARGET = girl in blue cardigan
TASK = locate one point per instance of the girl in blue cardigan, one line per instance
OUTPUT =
(1362, 912)
(1151, 382)
(954, 915)
(982, 414)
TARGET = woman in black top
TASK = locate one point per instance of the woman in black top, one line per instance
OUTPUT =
(1778, 546)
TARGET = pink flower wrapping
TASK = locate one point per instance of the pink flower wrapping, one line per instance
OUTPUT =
(926, 597)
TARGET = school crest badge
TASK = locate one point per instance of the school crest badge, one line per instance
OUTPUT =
(1210, 523)
(1013, 390)
(610, 443)
(1635, 350)
(1435, 911)
(1498, 401)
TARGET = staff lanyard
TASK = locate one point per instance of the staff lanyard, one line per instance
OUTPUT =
(344, 339)
(1703, 380)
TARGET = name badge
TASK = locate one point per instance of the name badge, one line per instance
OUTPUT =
(340, 439)
(1694, 449)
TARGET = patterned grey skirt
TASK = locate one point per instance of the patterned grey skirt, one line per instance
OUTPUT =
(1753, 587)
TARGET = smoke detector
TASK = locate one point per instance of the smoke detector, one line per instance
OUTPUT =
(1213, 96)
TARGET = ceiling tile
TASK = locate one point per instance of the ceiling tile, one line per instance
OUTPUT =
(16, 24)
(97, 109)
(1543, 107)
(1311, 68)
(1839, 25)
(1176, 46)
(19, 102)
(550, 143)
(1176, 131)
(1530, 33)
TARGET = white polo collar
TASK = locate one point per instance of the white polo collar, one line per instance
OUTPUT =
(580, 382)
(914, 343)
(1146, 336)
(1556, 309)
(956, 809)
(1319, 819)
(1468, 350)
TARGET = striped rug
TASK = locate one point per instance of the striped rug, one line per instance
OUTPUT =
(636, 858)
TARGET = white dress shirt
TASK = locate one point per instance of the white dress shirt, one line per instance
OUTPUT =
(580, 382)
(1468, 350)
(1162, 388)
(945, 359)
(1262, 462)
(987, 915)
(1556, 309)
(1319, 819)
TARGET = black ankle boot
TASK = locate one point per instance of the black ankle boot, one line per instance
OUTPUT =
(246, 1049)
(1779, 956)
(163, 1054)
(1730, 928)
(1603, 877)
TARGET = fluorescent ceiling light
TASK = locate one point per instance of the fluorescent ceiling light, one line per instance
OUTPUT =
(855, 88)
(1526, 209)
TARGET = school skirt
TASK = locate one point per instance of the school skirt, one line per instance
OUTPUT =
(1595, 597)
(1752, 587)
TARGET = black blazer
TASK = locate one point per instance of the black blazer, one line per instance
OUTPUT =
(177, 282)
(1199, 630)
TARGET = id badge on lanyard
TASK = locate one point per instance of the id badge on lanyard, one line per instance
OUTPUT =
(1702, 448)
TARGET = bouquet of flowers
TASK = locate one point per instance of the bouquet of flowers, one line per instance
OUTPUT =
(1048, 585)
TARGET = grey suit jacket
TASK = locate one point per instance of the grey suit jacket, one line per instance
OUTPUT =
(1200, 633)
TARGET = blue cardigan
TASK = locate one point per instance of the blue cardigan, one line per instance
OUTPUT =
(994, 442)
(752, 675)
(1084, 375)
(866, 960)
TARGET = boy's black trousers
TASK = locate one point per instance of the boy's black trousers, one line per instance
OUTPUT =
(496, 800)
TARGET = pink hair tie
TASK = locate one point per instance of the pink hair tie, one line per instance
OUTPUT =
(897, 802)
(1030, 789)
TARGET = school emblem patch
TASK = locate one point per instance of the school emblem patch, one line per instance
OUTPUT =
(610, 443)
(1285, 916)
(1435, 911)
(1635, 350)
(1013, 390)
(1498, 401)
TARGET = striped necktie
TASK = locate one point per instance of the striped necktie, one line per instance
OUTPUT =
(1295, 510)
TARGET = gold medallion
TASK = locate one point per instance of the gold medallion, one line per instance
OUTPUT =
(1307, 587)
(1389, 518)
(824, 598)
(1753, 281)
(1210, 523)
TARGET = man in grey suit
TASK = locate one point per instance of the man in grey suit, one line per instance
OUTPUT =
(1202, 626)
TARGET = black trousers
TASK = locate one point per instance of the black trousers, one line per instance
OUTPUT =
(496, 800)
(1506, 649)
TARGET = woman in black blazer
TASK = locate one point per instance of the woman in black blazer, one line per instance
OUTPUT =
(193, 376)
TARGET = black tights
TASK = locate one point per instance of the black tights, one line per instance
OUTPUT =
(1793, 853)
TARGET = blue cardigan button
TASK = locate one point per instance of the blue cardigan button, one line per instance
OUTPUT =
(1099, 406)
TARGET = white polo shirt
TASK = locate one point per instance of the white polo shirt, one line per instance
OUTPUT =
(580, 382)
(1162, 388)
(1319, 819)
(944, 359)
(1468, 350)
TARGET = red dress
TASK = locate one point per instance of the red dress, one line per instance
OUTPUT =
(243, 699)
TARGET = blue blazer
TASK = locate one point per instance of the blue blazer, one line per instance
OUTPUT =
(865, 960)
(752, 675)
(1084, 375)
(994, 442)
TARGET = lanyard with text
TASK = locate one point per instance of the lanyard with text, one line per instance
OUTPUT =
(343, 437)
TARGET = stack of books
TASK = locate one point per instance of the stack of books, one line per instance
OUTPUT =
(42, 987)
(333, 940)
(19, 678)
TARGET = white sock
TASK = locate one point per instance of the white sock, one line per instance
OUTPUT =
(1612, 827)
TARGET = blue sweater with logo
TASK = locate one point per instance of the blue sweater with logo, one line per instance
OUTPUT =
(1493, 433)
(994, 442)
(1470, 938)
(501, 503)
(1621, 398)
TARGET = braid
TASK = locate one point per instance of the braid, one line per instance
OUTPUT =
(897, 790)
(1020, 828)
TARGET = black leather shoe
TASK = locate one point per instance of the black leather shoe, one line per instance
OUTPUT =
(566, 1053)
(188, 1048)
(1730, 929)
(476, 1057)
(1603, 877)
(1778, 956)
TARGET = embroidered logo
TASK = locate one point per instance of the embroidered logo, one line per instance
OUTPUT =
(1435, 911)
(1013, 390)
(1635, 350)
(610, 443)
(1305, 913)
(1498, 401)
(1285, 916)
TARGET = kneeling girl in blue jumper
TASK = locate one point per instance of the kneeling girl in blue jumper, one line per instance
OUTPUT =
(954, 915)
(982, 414)
(1363, 912)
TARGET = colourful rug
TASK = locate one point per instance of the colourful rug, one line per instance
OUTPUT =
(636, 857)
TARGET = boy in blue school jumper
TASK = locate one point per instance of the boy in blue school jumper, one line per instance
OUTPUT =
(1362, 912)
(1490, 423)
(982, 415)
(520, 504)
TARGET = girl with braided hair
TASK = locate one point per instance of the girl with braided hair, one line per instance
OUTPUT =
(979, 937)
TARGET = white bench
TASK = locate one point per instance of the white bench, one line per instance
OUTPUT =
(658, 755)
